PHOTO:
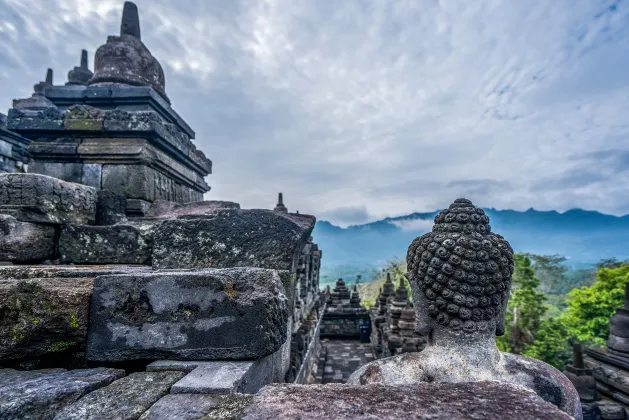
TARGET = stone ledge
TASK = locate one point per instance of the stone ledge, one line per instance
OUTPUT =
(477, 400)
(117, 97)
(232, 238)
(41, 394)
(126, 398)
(116, 244)
(67, 271)
(226, 377)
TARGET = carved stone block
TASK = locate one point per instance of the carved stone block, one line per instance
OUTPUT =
(232, 238)
(43, 316)
(238, 313)
(24, 241)
(43, 199)
(117, 244)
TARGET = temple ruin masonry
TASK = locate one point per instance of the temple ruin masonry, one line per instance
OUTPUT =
(124, 294)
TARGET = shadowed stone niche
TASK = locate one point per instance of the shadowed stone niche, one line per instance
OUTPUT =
(460, 276)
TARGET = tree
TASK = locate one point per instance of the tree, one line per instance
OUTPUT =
(525, 308)
(551, 344)
(590, 308)
(610, 263)
(550, 271)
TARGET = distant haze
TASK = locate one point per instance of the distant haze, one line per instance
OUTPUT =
(583, 237)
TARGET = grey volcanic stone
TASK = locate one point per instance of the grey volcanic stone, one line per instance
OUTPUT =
(39, 395)
(66, 272)
(611, 410)
(24, 241)
(117, 244)
(181, 407)
(479, 400)
(591, 411)
(43, 199)
(124, 399)
(222, 377)
(211, 314)
(111, 208)
(232, 238)
(171, 210)
(43, 316)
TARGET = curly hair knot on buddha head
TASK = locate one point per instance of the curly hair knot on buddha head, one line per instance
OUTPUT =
(462, 268)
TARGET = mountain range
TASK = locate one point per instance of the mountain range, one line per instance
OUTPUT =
(583, 237)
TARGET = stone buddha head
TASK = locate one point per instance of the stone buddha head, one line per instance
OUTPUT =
(460, 274)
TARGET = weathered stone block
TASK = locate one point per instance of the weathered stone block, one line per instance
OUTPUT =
(63, 147)
(6, 148)
(111, 208)
(237, 313)
(136, 207)
(17, 272)
(43, 316)
(39, 395)
(43, 199)
(126, 398)
(117, 244)
(232, 238)
(24, 241)
(24, 122)
(611, 410)
(91, 174)
(69, 172)
(181, 407)
(84, 118)
(171, 210)
(134, 181)
(222, 377)
(477, 400)
(124, 121)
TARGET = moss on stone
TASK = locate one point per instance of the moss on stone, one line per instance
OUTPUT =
(231, 407)
(18, 334)
(60, 346)
(74, 321)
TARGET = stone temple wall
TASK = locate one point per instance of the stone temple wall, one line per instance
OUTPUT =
(13, 149)
(110, 262)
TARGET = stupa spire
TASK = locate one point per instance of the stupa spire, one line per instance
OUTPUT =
(130, 23)
(49, 77)
(280, 204)
(84, 59)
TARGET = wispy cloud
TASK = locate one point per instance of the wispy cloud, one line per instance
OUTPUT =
(391, 107)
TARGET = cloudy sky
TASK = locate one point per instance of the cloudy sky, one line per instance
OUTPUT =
(362, 109)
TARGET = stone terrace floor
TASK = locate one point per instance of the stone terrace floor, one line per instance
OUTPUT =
(340, 358)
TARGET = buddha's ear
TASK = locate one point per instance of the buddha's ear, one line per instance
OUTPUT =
(423, 320)
(500, 318)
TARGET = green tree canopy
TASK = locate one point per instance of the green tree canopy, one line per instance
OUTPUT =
(590, 308)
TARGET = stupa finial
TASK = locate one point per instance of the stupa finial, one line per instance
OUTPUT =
(130, 24)
(280, 204)
(49, 77)
(84, 59)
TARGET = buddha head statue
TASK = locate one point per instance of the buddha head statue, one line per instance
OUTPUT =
(460, 274)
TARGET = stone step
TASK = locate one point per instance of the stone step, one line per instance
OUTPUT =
(41, 394)
(126, 398)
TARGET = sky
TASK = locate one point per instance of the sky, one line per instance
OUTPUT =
(363, 109)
